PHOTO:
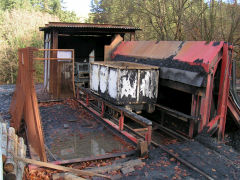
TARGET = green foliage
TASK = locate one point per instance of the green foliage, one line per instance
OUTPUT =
(172, 19)
(19, 23)
(19, 28)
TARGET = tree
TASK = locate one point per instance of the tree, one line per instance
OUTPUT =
(19, 23)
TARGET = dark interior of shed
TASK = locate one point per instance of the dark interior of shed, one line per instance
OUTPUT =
(83, 45)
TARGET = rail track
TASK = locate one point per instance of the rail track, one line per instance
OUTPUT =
(161, 136)
(167, 133)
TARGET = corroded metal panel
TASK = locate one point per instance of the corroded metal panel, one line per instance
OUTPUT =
(124, 83)
(149, 49)
(128, 85)
(185, 62)
(112, 83)
(149, 85)
(25, 104)
(94, 81)
(193, 52)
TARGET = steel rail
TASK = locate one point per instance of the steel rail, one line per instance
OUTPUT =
(170, 132)
(183, 161)
(165, 149)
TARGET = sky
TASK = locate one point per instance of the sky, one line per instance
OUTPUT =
(80, 7)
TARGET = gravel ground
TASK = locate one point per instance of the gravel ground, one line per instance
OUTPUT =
(6, 92)
(233, 139)
(217, 160)
(159, 165)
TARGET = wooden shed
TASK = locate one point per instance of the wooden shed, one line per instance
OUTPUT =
(90, 43)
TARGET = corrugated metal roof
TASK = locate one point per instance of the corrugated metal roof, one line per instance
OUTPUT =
(192, 52)
(86, 26)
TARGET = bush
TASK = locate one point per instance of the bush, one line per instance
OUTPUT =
(18, 29)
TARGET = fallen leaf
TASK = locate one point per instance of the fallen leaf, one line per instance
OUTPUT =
(214, 170)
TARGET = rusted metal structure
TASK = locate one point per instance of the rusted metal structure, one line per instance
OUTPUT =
(24, 103)
(194, 79)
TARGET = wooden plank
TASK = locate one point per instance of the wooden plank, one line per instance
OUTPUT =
(101, 157)
(114, 167)
(61, 168)
(9, 165)
(55, 49)
(17, 103)
(38, 124)
(73, 82)
(21, 153)
(1, 159)
(13, 175)
(40, 59)
(143, 148)
(4, 141)
(108, 49)
(54, 73)
(140, 129)
(66, 176)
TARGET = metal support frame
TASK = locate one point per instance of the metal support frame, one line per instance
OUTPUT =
(192, 119)
(206, 102)
(219, 121)
(121, 122)
(123, 113)
(201, 104)
(224, 90)
(193, 128)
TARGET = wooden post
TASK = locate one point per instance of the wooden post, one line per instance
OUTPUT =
(13, 175)
(121, 122)
(14, 138)
(1, 162)
(108, 49)
(9, 165)
(21, 153)
(73, 83)
(143, 147)
(4, 141)
(132, 36)
(103, 109)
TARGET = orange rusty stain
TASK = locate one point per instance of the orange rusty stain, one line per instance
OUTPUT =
(190, 52)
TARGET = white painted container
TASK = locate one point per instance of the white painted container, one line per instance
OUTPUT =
(124, 83)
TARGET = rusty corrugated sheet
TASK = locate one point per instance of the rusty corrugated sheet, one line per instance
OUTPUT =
(192, 52)
(148, 49)
(199, 52)
(87, 26)
(185, 62)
